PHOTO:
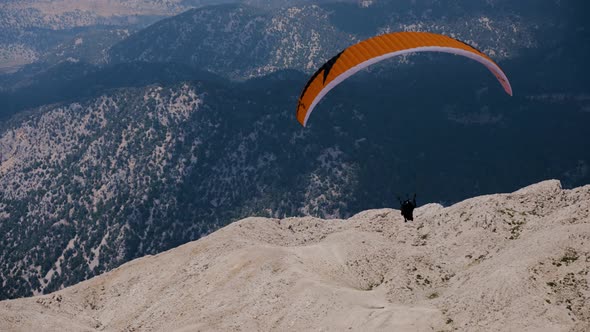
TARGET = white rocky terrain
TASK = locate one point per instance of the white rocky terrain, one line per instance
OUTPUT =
(504, 262)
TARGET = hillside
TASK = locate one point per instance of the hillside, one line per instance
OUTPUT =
(502, 262)
(92, 182)
(103, 162)
(55, 30)
(50, 31)
(240, 42)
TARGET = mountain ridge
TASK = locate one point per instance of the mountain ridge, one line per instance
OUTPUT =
(240, 41)
(137, 170)
(474, 265)
(121, 163)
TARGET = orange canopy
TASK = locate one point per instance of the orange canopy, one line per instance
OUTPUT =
(373, 50)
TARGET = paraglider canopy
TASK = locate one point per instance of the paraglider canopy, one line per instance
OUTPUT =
(373, 50)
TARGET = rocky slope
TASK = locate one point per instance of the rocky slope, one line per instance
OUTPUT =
(87, 185)
(116, 168)
(502, 262)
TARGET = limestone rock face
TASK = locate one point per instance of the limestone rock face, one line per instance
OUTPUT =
(504, 262)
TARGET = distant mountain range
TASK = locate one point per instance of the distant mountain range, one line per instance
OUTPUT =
(153, 145)
(241, 42)
(41, 30)
(260, 38)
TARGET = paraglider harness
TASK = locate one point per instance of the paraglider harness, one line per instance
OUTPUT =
(407, 208)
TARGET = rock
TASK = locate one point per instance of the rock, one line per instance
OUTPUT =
(490, 263)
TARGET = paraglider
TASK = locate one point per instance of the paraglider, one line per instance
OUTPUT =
(375, 49)
(407, 208)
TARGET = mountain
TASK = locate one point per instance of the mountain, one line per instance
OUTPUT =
(45, 30)
(236, 41)
(66, 14)
(501, 262)
(42, 30)
(73, 80)
(101, 164)
(241, 42)
(90, 184)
